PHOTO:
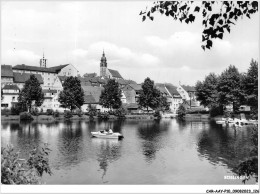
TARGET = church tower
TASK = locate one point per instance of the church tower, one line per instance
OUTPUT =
(103, 65)
(43, 62)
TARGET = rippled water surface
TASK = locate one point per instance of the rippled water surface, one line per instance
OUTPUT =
(152, 152)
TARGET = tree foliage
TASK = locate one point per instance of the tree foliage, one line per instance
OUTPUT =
(229, 87)
(149, 95)
(206, 91)
(31, 94)
(111, 95)
(181, 112)
(250, 86)
(163, 104)
(217, 15)
(249, 167)
(72, 95)
(15, 170)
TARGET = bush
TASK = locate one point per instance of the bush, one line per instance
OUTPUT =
(103, 116)
(79, 113)
(15, 110)
(56, 114)
(181, 111)
(157, 114)
(120, 113)
(6, 112)
(15, 170)
(49, 112)
(25, 116)
(216, 111)
(35, 112)
(68, 114)
(92, 112)
(41, 111)
(111, 112)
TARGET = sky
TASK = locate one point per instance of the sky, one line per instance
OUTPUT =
(77, 32)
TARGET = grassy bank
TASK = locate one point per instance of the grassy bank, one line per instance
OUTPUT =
(50, 118)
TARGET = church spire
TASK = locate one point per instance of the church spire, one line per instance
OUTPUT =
(103, 65)
(43, 61)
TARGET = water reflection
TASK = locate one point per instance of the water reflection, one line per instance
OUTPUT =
(109, 150)
(224, 145)
(152, 133)
(152, 152)
(70, 145)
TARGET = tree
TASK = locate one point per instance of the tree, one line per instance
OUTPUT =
(163, 104)
(111, 95)
(249, 167)
(229, 87)
(181, 111)
(250, 86)
(206, 91)
(15, 170)
(149, 95)
(31, 94)
(72, 95)
(217, 16)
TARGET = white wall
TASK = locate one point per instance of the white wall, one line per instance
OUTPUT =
(69, 70)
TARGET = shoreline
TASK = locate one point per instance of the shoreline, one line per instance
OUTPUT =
(50, 118)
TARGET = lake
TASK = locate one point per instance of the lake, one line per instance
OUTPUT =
(153, 152)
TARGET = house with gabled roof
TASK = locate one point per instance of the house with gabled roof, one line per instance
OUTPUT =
(21, 78)
(7, 75)
(10, 94)
(92, 98)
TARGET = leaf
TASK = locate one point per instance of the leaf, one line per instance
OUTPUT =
(183, 7)
(209, 44)
(220, 35)
(191, 18)
(255, 4)
(144, 17)
(197, 9)
(220, 22)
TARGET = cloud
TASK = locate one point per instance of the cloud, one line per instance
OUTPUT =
(21, 56)
(79, 52)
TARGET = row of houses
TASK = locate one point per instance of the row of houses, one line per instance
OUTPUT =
(51, 79)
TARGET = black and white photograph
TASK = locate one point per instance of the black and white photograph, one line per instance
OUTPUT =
(119, 95)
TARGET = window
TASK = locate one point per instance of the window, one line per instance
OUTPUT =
(4, 105)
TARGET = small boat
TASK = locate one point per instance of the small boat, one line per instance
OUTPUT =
(108, 134)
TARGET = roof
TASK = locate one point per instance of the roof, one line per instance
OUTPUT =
(57, 68)
(172, 89)
(94, 91)
(90, 75)
(54, 69)
(62, 78)
(162, 89)
(132, 106)
(87, 83)
(89, 99)
(49, 91)
(10, 87)
(22, 77)
(33, 68)
(115, 73)
(136, 86)
(6, 71)
(188, 88)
